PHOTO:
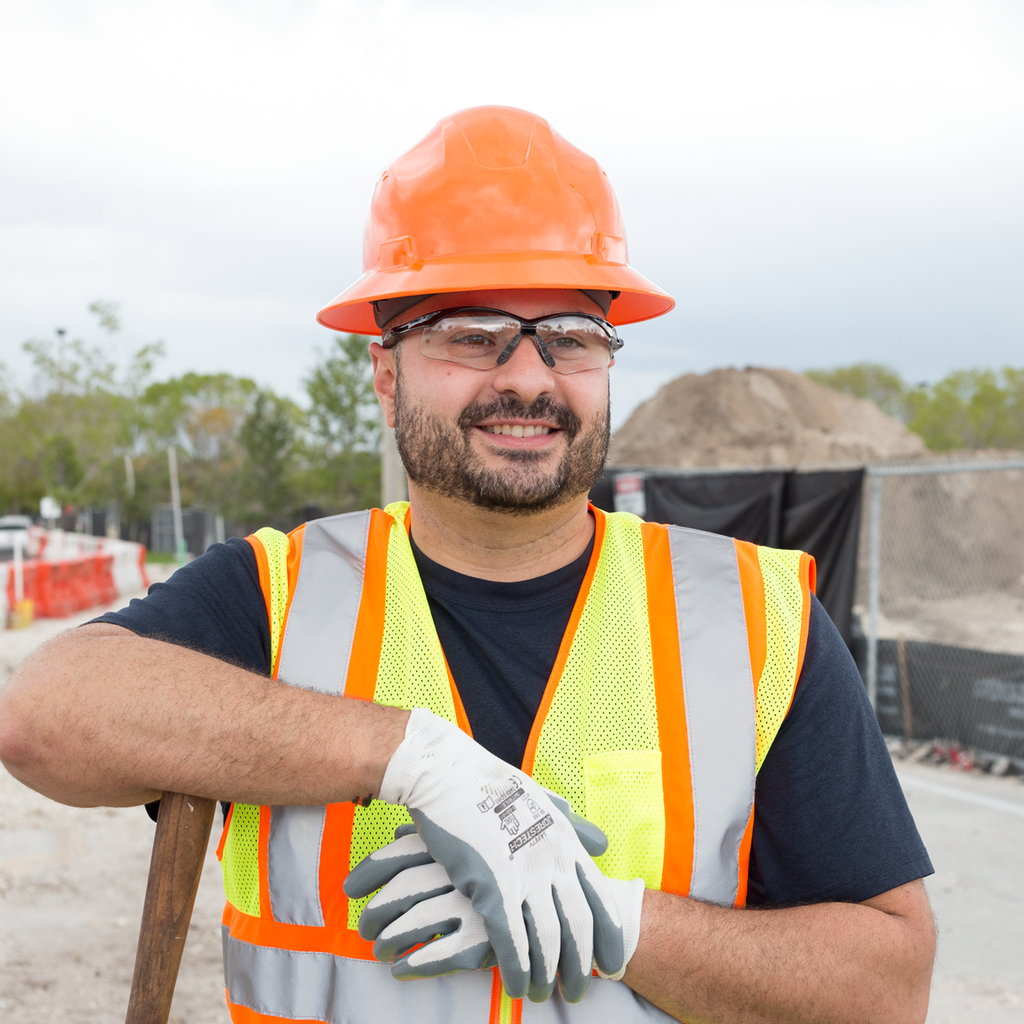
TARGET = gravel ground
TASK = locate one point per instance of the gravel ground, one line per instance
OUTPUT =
(72, 883)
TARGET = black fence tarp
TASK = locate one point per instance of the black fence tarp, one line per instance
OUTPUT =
(955, 693)
(816, 512)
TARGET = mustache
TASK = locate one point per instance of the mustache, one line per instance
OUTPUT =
(510, 407)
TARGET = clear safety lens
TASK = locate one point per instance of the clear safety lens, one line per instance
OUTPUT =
(566, 342)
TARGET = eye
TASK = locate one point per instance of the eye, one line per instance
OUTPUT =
(470, 339)
(566, 343)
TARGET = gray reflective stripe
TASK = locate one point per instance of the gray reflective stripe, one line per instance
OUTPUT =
(317, 641)
(340, 990)
(719, 695)
(315, 652)
(293, 864)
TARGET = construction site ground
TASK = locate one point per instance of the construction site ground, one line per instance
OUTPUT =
(72, 882)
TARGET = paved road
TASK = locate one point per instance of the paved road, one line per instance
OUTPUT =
(973, 826)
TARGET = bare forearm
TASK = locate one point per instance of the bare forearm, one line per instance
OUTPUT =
(100, 716)
(831, 962)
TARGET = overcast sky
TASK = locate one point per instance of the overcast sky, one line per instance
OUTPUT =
(817, 182)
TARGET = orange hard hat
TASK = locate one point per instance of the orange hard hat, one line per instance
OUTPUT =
(493, 198)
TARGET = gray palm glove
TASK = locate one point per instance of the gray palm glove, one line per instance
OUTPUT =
(546, 907)
(420, 905)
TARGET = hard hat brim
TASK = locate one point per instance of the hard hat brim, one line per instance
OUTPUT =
(639, 299)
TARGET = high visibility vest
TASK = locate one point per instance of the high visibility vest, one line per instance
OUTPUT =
(675, 673)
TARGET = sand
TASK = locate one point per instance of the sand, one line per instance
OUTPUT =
(757, 417)
(952, 543)
(72, 882)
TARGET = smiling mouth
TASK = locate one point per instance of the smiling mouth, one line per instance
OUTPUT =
(515, 430)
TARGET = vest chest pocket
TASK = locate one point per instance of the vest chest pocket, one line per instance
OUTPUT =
(625, 798)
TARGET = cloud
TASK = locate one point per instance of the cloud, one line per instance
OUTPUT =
(816, 182)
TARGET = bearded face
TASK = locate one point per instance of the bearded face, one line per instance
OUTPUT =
(452, 457)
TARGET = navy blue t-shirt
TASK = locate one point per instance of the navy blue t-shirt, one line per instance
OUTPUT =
(830, 819)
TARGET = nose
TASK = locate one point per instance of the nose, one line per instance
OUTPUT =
(525, 373)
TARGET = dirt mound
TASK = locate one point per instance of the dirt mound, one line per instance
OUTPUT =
(952, 552)
(952, 555)
(757, 417)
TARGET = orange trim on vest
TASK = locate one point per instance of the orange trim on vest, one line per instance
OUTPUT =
(337, 838)
(369, 632)
(743, 862)
(295, 539)
(566, 645)
(677, 868)
(243, 1015)
(494, 1017)
(809, 570)
(752, 588)
(300, 937)
(224, 831)
(808, 578)
(265, 911)
(461, 718)
(263, 567)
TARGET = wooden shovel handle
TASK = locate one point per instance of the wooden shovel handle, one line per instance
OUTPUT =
(179, 848)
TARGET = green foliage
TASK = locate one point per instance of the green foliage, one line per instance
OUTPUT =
(343, 412)
(269, 441)
(971, 409)
(106, 312)
(344, 420)
(243, 451)
(67, 437)
(966, 409)
(876, 383)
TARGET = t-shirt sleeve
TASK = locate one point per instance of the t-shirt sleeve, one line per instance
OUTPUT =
(213, 605)
(830, 819)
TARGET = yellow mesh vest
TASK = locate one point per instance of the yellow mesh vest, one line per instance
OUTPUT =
(412, 673)
(599, 744)
(240, 860)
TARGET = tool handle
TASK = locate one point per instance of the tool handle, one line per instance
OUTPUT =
(179, 848)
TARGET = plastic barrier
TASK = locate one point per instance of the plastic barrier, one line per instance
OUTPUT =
(129, 567)
(75, 573)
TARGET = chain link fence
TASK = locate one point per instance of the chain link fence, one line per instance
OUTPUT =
(940, 600)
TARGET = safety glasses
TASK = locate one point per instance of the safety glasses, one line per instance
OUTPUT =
(485, 338)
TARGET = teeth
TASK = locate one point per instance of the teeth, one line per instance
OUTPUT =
(517, 430)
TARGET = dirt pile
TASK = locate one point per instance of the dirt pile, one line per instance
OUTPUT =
(757, 417)
(952, 555)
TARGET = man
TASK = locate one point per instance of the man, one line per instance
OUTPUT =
(645, 674)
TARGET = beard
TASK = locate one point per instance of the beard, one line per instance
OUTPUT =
(439, 456)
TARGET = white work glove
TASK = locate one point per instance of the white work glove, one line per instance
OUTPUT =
(547, 908)
(420, 905)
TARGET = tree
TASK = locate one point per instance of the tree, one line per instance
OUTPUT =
(344, 422)
(966, 409)
(971, 409)
(879, 384)
(269, 439)
(68, 435)
(344, 414)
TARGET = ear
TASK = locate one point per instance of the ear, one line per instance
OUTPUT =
(384, 373)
